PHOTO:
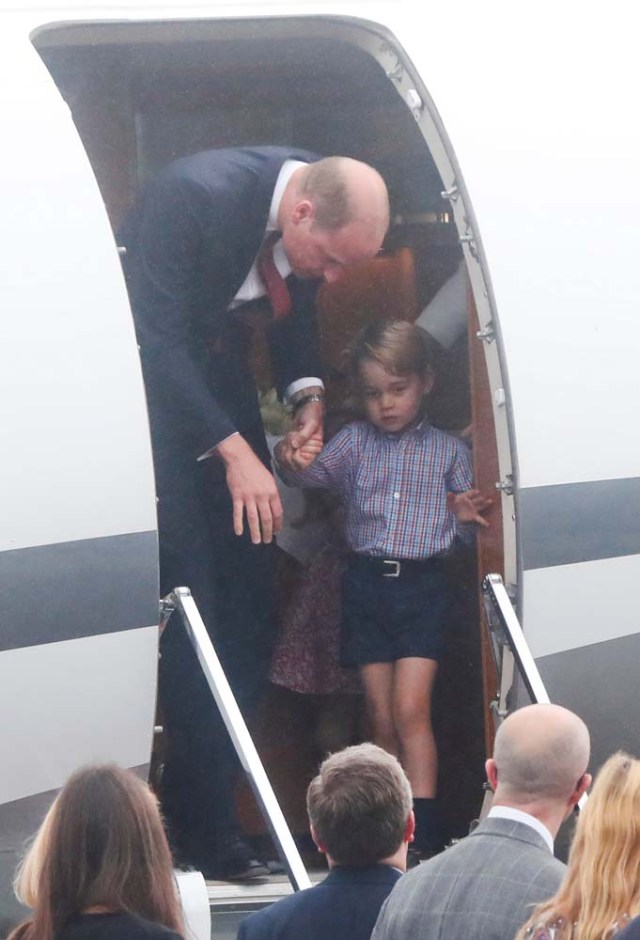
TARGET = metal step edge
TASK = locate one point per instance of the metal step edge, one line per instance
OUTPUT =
(224, 894)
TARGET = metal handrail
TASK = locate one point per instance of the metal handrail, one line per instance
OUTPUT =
(498, 604)
(505, 632)
(182, 601)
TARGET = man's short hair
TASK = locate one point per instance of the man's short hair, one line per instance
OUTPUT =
(325, 183)
(359, 804)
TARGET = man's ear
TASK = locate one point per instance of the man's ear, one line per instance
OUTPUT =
(492, 773)
(318, 844)
(303, 210)
(582, 786)
(409, 828)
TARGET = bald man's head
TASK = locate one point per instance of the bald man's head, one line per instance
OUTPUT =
(333, 213)
(540, 753)
(345, 191)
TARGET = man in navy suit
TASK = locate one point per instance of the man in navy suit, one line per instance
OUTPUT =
(194, 245)
(360, 813)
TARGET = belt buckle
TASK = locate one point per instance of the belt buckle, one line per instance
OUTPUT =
(396, 571)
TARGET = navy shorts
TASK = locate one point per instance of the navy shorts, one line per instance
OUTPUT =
(388, 618)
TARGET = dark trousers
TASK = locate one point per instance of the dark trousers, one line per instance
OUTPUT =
(233, 584)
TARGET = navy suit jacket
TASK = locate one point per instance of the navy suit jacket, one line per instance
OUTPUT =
(190, 243)
(342, 907)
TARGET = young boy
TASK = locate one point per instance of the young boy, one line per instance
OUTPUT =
(405, 487)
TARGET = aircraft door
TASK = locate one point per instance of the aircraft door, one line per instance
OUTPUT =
(78, 544)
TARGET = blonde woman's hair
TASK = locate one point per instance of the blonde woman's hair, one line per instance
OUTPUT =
(602, 881)
(103, 843)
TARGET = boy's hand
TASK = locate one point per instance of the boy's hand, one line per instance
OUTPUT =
(468, 506)
(308, 427)
(307, 452)
(304, 456)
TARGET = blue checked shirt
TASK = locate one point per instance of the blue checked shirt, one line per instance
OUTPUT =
(394, 487)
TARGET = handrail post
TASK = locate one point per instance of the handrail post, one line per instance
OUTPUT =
(497, 600)
(493, 586)
(182, 601)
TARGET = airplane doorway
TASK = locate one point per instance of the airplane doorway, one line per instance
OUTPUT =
(142, 94)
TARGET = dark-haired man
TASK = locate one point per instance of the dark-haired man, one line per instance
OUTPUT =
(360, 815)
(210, 235)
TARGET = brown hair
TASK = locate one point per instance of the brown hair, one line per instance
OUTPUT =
(601, 883)
(401, 348)
(325, 183)
(101, 843)
(345, 191)
(359, 804)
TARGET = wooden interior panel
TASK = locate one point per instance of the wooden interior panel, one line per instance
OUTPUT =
(490, 547)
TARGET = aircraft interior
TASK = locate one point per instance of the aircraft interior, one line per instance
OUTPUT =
(142, 94)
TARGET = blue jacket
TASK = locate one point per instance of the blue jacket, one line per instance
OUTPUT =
(342, 907)
(190, 243)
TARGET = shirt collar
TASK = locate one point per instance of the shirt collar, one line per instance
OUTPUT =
(287, 170)
(517, 815)
(421, 428)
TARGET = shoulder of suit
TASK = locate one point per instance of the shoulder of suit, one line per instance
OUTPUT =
(254, 923)
(518, 839)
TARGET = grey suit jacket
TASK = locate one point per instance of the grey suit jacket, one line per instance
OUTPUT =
(484, 888)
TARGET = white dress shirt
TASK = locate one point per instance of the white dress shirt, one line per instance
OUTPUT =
(517, 815)
(252, 287)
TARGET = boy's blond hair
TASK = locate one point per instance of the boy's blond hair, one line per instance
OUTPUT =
(401, 348)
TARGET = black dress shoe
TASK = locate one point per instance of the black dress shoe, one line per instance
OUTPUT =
(234, 861)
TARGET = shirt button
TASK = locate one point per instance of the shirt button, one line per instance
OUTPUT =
(396, 495)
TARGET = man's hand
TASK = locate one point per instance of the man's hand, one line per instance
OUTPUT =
(300, 446)
(253, 491)
(468, 506)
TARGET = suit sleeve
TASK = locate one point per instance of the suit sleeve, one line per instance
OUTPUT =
(164, 271)
(294, 341)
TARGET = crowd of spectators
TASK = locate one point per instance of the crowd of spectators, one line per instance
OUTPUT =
(100, 867)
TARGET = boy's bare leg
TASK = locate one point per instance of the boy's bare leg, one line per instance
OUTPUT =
(412, 687)
(378, 681)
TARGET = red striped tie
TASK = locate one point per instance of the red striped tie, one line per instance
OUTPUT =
(274, 284)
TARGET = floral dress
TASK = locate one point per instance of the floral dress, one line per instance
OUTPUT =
(307, 653)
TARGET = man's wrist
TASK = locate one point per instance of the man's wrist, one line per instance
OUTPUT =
(303, 400)
(215, 449)
(302, 387)
(233, 448)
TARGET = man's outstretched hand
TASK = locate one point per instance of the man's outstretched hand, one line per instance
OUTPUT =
(253, 491)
